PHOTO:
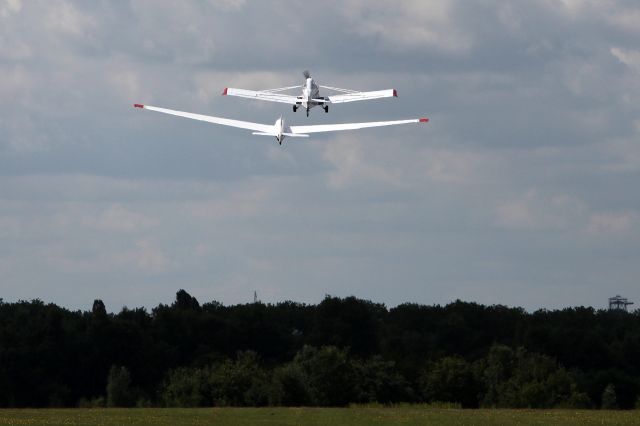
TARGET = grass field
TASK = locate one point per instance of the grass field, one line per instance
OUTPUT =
(314, 416)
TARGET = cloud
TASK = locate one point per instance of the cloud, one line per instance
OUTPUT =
(625, 18)
(148, 257)
(9, 7)
(398, 164)
(117, 218)
(521, 180)
(574, 7)
(533, 211)
(228, 4)
(65, 18)
(409, 25)
(622, 223)
(630, 58)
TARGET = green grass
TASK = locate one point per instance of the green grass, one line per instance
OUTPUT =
(408, 415)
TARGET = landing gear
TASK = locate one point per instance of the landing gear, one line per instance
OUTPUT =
(307, 112)
(326, 108)
(295, 108)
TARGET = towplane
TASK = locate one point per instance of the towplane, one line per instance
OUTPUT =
(310, 96)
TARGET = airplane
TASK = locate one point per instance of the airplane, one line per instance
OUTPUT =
(310, 95)
(279, 129)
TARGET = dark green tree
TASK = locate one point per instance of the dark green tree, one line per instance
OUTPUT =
(450, 379)
(378, 380)
(187, 387)
(609, 399)
(119, 393)
(289, 387)
(98, 310)
(329, 373)
(521, 379)
(185, 301)
(242, 382)
(356, 351)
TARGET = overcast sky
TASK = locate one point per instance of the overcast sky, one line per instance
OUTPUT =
(522, 190)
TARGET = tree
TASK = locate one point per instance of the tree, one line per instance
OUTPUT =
(577, 400)
(496, 369)
(289, 387)
(185, 301)
(240, 383)
(185, 354)
(119, 392)
(450, 379)
(329, 373)
(377, 380)
(187, 387)
(520, 379)
(348, 323)
(98, 310)
(609, 400)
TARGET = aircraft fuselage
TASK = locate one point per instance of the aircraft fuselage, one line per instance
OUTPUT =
(279, 130)
(310, 96)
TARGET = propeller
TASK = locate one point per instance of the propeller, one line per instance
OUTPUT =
(306, 74)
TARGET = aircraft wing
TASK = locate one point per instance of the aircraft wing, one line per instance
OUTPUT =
(264, 95)
(264, 128)
(362, 96)
(351, 126)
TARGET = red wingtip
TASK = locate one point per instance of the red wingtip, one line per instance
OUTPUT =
(138, 106)
(224, 92)
(395, 93)
(423, 120)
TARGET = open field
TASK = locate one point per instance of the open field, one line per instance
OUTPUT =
(314, 416)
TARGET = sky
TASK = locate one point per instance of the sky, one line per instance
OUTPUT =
(522, 189)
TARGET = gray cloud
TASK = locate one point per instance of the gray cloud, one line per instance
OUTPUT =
(519, 191)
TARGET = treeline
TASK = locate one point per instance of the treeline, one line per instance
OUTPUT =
(341, 351)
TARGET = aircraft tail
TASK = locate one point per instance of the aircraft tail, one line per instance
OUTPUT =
(292, 135)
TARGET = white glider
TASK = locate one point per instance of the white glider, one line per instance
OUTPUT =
(310, 95)
(279, 130)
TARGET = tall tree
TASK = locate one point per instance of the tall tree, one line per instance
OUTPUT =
(119, 393)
